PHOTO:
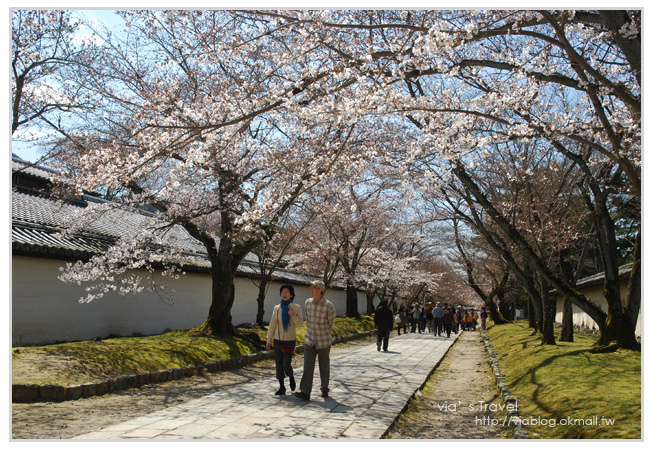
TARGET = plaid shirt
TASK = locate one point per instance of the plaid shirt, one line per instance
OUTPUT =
(320, 320)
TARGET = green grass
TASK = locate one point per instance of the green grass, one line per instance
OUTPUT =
(81, 362)
(566, 382)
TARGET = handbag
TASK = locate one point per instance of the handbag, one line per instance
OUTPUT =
(398, 319)
(287, 349)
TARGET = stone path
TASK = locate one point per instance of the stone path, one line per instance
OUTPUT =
(368, 390)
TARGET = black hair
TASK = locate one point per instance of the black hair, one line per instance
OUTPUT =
(288, 286)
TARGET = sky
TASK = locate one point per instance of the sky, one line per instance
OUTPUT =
(108, 17)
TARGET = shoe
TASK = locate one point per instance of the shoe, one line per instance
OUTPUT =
(301, 395)
(281, 391)
(324, 394)
(292, 383)
(385, 349)
(378, 347)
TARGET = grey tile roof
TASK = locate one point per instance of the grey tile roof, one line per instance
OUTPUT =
(18, 164)
(37, 223)
(599, 278)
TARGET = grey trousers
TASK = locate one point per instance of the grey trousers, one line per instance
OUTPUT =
(310, 363)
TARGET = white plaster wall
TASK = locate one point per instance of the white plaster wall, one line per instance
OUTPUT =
(596, 295)
(46, 310)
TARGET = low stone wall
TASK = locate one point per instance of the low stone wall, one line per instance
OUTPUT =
(514, 418)
(27, 393)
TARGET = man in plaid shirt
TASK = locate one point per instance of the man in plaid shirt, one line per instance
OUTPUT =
(320, 314)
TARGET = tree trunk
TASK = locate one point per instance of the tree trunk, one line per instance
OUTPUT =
(549, 306)
(633, 299)
(567, 322)
(620, 322)
(495, 314)
(261, 296)
(351, 301)
(219, 321)
(370, 302)
(224, 261)
(532, 320)
(619, 330)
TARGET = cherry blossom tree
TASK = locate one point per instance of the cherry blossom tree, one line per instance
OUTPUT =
(48, 50)
(206, 127)
(231, 102)
(272, 255)
(475, 79)
(356, 217)
(395, 276)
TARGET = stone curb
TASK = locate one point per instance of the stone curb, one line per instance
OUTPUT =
(28, 393)
(514, 418)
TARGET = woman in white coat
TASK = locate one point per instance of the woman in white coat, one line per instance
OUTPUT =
(286, 317)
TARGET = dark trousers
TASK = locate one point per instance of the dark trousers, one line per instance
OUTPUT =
(282, 360)
(437, 326)
(382, 336)
(448, 327)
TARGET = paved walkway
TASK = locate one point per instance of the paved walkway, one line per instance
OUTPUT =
(368, 390)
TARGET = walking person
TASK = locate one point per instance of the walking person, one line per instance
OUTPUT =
(403, 323)
(384, 324)
(470, 320)
(286, 317)
(483, 317)
(448, 320)
(423, 321)
(437, 319)
(416, 318)
(320, 314)
(429, 315)
(409, 316)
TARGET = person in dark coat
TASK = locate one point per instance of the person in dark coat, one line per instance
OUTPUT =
(384, 324)
(448, 320)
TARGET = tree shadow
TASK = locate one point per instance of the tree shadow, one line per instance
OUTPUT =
(557, 409)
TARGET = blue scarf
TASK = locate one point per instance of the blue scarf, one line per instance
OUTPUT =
(285, 313)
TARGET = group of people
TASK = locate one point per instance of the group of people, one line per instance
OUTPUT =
(437, 319)
(286, 317)
(320, 314)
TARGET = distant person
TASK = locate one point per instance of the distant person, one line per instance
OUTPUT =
(320, 314)
(437, 319)
(470, 320)
(448, 320)
(429, 316)
(286, 317)
(415, 324)
(403, 323)
(456, 319)
(484, 315)
(384, 324)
